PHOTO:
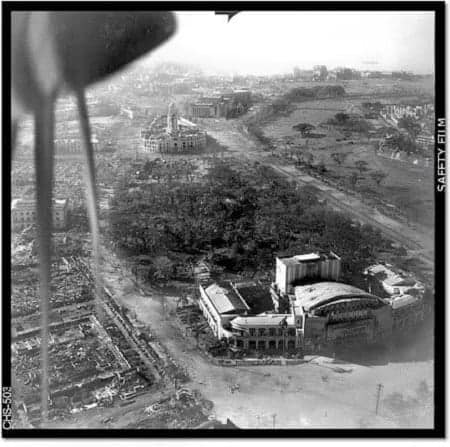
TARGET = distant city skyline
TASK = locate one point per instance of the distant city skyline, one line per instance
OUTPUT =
(276, 42)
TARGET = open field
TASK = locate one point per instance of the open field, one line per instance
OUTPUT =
(407, 187)
(242, 147)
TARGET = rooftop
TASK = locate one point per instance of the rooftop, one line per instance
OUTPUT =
(321, 293)
(403, 300)
(309, 257)
(262, 320)
(391, 277)
(225, 300)
(31, 202)
(256, 296)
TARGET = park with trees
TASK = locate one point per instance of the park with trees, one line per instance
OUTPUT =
(237, 221)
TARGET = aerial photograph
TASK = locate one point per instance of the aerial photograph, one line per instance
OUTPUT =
(222, 220)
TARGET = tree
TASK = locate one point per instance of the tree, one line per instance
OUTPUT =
(361, 165)
(353, 179)
(163, 267)
(361, 126)
(410, 125)
(304, 128)
(339, 157)
(378, 176)
(321, 167)
(341, 118)
(308, 158)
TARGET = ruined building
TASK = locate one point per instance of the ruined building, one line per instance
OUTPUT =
(305, 309)
(171, 134)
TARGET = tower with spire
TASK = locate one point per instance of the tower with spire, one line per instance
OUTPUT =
(172, 119)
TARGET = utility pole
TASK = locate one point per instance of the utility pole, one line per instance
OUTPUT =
(379, 390)
(274, 416)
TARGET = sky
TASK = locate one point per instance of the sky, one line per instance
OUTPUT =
(275, 42)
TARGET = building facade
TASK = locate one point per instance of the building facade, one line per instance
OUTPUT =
(220, 305)
(405, 295)
(266, 332)
(23, 213)
(321, 312)
(334, 313)
(72, 146)
(289, 270)
(177, 136)
(221, 105)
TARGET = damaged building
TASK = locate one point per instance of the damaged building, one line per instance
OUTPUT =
(305, 309)
(23, 213)
(172, 134)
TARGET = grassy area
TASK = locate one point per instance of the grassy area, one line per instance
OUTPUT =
(406, 189)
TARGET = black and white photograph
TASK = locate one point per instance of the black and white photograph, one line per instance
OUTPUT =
(223, 220)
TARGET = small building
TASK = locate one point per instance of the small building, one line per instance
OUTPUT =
(23, 213)
(73, 146)
(405, 295)
(202, 109)
(265, 332)
(320, 73)
(202, 272)
(425, 140)
(393, 283)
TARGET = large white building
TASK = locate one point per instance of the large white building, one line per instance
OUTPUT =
(23, 213)
(320, 312)
(290, 270)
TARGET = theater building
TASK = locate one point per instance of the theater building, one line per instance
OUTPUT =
(334, 313)
(320, 313)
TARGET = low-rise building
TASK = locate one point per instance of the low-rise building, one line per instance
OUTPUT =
(320, 73)
(221, 105)
(265, 332)
(425, 140)
(202, 272)
(73, 146)
(219, 305)
(405, 295)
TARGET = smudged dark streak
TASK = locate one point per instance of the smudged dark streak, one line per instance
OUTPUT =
(91, 191)
(83, 60)
(14, 131)
(44, 159)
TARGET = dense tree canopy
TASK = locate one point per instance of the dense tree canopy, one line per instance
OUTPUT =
(239, 221)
